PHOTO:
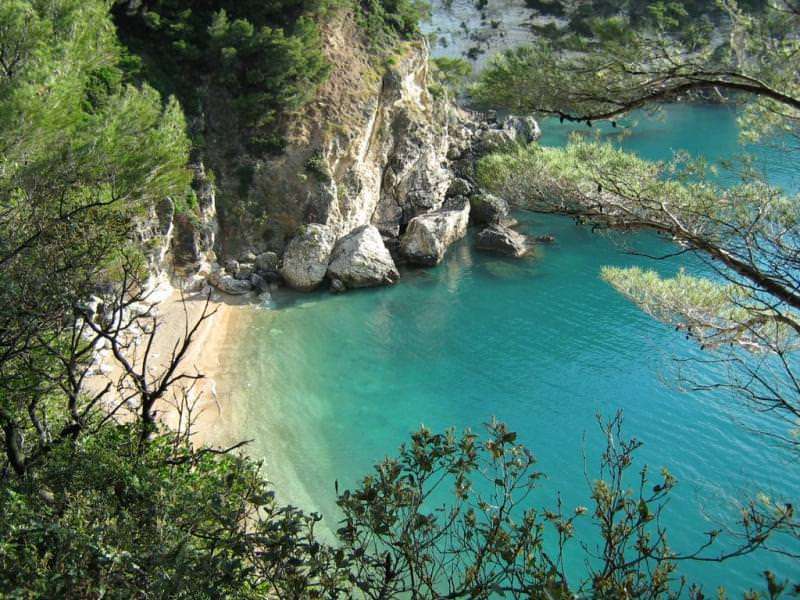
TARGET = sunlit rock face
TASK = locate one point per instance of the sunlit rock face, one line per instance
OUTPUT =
(428, 236)
(305, 261)
(360, 259)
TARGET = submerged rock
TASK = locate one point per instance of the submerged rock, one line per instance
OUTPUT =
(337, 287)
(428, 236)
(487, 209)
(305, 261)
(360, 259)
(228, 284)
(501, 239)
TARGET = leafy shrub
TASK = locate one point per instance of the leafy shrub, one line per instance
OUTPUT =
(318, 166)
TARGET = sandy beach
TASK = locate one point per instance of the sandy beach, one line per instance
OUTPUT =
(213, 347)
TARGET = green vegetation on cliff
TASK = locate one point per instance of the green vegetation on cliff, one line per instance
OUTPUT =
(265, 57)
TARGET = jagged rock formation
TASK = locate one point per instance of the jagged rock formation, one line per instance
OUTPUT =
(360, 259)
(370, 149)
(526, 129)
(181, 245)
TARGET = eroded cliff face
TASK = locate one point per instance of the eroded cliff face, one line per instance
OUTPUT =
(179, 246)
(371, 148)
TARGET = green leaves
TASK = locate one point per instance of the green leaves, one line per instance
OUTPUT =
(636, 61)
(267, 63)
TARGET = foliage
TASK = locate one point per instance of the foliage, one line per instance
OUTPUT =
(97, 500)
(385, 20)
(749, 229)
(318, 166)
(451, 517)
(80, 162)
(450, 73)
(622, 67)
(444, 519)
(266, 57)
(119, 523)
(747, 314)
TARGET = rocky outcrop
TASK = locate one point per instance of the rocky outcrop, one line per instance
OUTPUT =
(154, 232)
(305, 261)
(526, 129)
(260, 285)
(370, 149)
(360, 259)
(460, 187)
(266, 262)
(428, 236)
(486, 209)
(503, 240)
(228, 284)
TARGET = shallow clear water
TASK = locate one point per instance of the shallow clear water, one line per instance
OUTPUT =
(328, 385)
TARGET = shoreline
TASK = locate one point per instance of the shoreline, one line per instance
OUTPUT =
(214, 344)
(212, 347)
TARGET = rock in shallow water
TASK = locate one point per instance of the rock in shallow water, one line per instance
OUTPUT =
(428, 236)
(305, 261)
(337, 287)
(499, 238)
(266, 262)
(360, 259)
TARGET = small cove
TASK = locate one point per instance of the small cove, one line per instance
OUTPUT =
(328, 385)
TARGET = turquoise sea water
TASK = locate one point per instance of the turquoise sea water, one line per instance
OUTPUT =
(328, 385)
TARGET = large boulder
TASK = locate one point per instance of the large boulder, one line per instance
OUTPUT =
(305, 261)
(428, 236)
(526, 129)
(499, 238)
(228, 284)
(486, 209)
(360, 259)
